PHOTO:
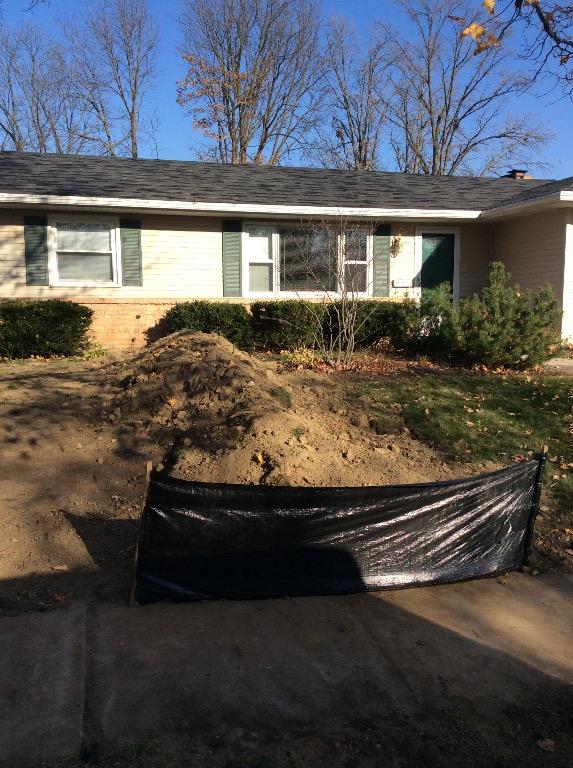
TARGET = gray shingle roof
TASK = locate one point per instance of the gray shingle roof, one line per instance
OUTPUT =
(543, 189)
(176, 180)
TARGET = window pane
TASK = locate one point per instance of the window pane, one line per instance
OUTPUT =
(260, 243)
(308, 260)
(260, 277)
(85, 266)
(356, 244)
(83, 236)
(355, 277)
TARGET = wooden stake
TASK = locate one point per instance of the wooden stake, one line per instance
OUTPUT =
(148, 469)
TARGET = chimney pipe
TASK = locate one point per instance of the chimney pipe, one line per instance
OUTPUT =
(517, 173)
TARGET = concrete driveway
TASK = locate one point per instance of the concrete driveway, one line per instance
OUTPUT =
(472, 674)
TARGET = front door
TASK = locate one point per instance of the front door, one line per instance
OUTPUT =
(437, 259)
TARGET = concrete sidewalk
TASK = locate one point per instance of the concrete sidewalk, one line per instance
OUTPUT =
(560, 365)
(482, 656)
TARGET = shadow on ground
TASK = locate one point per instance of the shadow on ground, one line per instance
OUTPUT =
(356, 680)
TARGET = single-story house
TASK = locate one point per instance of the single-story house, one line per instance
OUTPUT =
(130, 237)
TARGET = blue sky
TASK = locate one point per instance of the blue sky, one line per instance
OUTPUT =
(176, 138)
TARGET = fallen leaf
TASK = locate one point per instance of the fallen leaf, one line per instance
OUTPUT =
(547, 745)
(61, 597)
(469, 423)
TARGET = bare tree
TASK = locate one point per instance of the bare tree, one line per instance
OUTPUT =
(114, 56)
(448, 110)
(355, 95)
(84, 95)
(38, 110)
(330, 260)
(252, 70)
(89, 83)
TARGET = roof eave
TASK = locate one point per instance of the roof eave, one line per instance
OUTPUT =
(562, 199)
(71, 202)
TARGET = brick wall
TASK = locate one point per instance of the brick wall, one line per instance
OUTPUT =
(125, 324)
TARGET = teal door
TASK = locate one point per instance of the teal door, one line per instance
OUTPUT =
(437, 260)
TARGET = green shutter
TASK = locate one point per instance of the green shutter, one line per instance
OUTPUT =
(381, 261)
(36, 250)
(131, 269)
(232, 257)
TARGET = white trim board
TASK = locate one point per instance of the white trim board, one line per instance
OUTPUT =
(567, 320)
(422, 230)
(96, 203)
(192, 207)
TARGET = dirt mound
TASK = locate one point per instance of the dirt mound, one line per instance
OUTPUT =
(226, 416)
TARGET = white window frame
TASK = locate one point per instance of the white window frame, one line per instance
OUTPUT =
(369, 259)
(247, 260)
(112, 222)
(422, 230)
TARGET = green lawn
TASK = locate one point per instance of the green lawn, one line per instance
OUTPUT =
(472, 417)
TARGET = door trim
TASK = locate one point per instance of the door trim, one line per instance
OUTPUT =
(423, 230)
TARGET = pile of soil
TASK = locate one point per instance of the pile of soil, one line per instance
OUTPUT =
(225, 416)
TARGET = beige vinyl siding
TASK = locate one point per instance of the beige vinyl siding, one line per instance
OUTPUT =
(533, 249)
(181, 259)
(474, 257)
(12, 263)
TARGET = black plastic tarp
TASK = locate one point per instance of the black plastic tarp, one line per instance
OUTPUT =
(204, 540)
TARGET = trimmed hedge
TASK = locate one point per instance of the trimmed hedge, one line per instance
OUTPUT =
(291, 324)
(45, 328)
(295, 324)
(501, 326)
(229, 320)
(288, 324)
(378, 320)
